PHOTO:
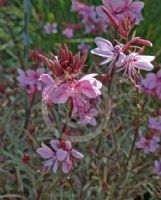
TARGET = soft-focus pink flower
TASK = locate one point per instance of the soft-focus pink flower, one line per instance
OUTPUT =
(60, 153)
(29, 80)
(83, 47)
(148, 145)
(125, 8)
(68, 32)
(91, 18)
(157, 167)
(155, 123)
(133, 62)
(152, 84)
(148, 85)
(50, 28)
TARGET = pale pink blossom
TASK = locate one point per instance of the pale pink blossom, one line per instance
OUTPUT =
(155, 123)
(152, 84)
(133, 62)
(50, 28)
(60, 153)
(148, 144)
(109, 52)
(58, 92)
(79, 91)
(29, 80)
(68, 32)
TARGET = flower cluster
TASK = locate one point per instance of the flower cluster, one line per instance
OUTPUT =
(68, 87)
(50, 28)
(121, 9)
(30, 80)
(151, 84)
(120, 60)
(60, 153)
(91, 18)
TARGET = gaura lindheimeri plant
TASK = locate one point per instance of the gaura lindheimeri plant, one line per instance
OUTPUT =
(123, 56)
(60, 154)
(68, 87)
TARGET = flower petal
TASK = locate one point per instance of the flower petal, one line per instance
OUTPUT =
(45, 151)
(46, 78)
(77, 154)
(61, 154)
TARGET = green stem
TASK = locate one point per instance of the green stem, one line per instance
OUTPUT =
(137, 128)
(27, 11)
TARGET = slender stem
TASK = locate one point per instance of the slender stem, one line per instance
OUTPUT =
(39, 193)
(26, 52)
(28, 111)
(137, 128)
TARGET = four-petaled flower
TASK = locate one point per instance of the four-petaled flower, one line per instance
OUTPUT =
(106, 50)
(132, 63)
(29, 80)
(60, 153)
(148, 144)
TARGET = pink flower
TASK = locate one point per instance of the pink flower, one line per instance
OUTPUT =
(60, 153)
(148, 84)
(83, 47)
(152, 84)
(155, 123)
(125, 8)
(66, 69)
(83, 109)
(68, 32)
(148, 145)
(92, 19)
(51, 28)
(106, 50)
(58, 92)
(134, 62)
(157, 167)
(29, 80)
(80, 92)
